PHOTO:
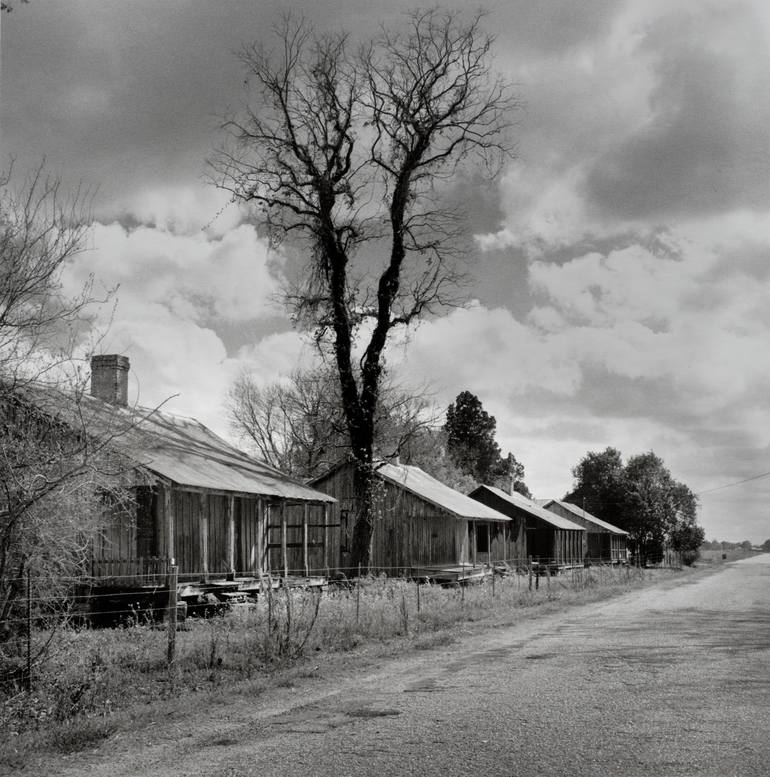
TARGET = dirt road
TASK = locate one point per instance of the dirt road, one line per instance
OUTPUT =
(671, 680)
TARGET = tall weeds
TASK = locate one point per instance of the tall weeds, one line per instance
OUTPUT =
(91, 673)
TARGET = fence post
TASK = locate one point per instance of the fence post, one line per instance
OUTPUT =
(493, 581)
(358, 594)
(418, 594)
(28, 674)
(173, 576)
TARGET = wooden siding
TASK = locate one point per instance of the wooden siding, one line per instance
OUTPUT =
(216, 534)
(549, 544)
(514, 549)
(410, 531)
(125, 550)
(249, 534)
(600, 544)
(536, 538)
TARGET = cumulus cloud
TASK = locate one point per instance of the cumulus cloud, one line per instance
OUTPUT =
(702, 147)
(186, 210)
(176, 295)
(195, 276)
(663, 118)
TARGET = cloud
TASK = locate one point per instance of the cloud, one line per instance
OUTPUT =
(199, 278)
(484, 350)
(665, 118)
(702, 147)
(177, 298)
(277, 355)
(186, 210)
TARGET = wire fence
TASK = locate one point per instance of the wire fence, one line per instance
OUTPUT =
(81, 595)
(40, 616)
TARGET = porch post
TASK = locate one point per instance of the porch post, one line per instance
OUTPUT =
(203, 524)
(304, 541)
(263, 516)
(168, 513)
(284, 540)
(231, 533)
(326, 536)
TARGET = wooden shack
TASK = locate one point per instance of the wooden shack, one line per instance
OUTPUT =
(603, 542)
(548, 538)
(421, 526)
(195, 500)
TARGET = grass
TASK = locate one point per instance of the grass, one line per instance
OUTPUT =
(98, 681)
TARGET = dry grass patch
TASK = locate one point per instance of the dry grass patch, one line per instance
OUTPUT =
(99, 681)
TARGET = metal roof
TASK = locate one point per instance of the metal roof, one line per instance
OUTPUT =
(580, 513)
(176, 448)
(521, 501)
(421, 484)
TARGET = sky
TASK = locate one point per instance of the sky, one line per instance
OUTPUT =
(620, 289)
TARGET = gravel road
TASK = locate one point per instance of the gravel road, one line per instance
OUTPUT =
(669, 680)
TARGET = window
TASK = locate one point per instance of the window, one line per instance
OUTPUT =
(482, 538)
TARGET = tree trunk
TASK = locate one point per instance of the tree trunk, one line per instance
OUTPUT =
(363, 488)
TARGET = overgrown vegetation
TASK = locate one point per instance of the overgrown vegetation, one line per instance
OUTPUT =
(92, 675)
(52, 478)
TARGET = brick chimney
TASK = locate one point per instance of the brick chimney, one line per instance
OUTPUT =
(109, 378)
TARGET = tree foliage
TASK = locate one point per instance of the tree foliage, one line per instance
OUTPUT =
(599, 484)
(342, 153)
(473, 449)
(471, 438)
(640, 497)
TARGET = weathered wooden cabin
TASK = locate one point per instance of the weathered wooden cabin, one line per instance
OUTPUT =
(197, 501)
(603, 542)
(422, 526)
(548, 538)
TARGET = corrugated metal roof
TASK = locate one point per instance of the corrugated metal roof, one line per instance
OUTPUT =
(418, 482)
(177, 448)
(580, 513)
(521, 501)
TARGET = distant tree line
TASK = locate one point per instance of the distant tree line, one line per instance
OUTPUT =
(722, 545)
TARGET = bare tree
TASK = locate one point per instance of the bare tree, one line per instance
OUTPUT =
(51, 471)
(41, 231)
(298, 425)
(347, 154)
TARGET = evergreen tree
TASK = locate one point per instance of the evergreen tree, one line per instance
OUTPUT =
(471, 438)
(472, 448)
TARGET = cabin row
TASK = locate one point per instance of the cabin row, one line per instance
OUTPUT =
(216, 513)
